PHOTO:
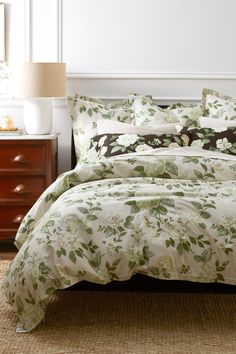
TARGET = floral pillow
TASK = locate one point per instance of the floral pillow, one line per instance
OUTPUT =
(218, 106)
(207, 138)
(148, 114)
(85, 112)
(188, 116)
(107, 145)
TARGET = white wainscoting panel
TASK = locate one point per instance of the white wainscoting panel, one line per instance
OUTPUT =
(44, 30)
(149, 36)
(15, 30)
(163, 89)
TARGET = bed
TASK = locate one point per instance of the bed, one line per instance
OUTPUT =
(167, 212)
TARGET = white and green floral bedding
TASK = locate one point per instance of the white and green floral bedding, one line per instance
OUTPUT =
(218, 106)
(169, 214)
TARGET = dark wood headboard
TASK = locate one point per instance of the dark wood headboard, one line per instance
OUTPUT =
(73, 155)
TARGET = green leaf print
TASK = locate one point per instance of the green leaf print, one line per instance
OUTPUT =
(61, 252)
(72, 257)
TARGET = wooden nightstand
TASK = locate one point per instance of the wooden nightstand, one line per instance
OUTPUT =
(28, 165)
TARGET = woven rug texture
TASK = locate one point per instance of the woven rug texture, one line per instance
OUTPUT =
(125, 323)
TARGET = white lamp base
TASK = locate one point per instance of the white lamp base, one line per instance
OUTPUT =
(38, 115)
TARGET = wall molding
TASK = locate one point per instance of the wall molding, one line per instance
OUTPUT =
(153, 76)
(60, 103)
(28, 30)
(59, 30)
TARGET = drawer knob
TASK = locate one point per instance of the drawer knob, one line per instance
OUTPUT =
(19, 159)
(18, 219)
(20, 189)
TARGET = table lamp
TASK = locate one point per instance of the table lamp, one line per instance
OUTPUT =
(37, 83)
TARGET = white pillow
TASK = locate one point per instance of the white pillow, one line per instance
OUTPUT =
(105, 126)
(213, 123)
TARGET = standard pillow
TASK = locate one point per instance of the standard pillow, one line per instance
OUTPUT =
(207, 138)
(188, 116)
(85, 112)
(107, 145)
(105, 126)
(216, 124)
(148, 114)
(218, 106)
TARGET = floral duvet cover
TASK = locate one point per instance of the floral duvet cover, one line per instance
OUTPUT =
(167, 214)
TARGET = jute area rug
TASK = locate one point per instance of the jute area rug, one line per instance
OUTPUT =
(121, 322)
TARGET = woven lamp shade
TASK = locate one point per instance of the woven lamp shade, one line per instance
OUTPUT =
(39, 80)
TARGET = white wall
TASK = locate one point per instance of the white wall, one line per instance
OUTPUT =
(148, 36)
(168, 48)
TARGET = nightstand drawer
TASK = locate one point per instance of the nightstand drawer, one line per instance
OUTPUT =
(11, 216)
(28, 165)
(21, 188)
(22, 157)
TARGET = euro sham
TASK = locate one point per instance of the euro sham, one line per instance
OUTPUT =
(85, 111)
(217, 106)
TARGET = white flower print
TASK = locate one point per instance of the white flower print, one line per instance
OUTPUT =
(197, 143)
(185, 139)
(220, 129)
(92, 155)
(103, 150)
(223, 144)
(102, 140)
(157, 141)
(127, 139)
(178, 127)
(173, 145)
(143, 147)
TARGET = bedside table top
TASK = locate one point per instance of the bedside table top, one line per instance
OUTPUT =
(29, 137)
